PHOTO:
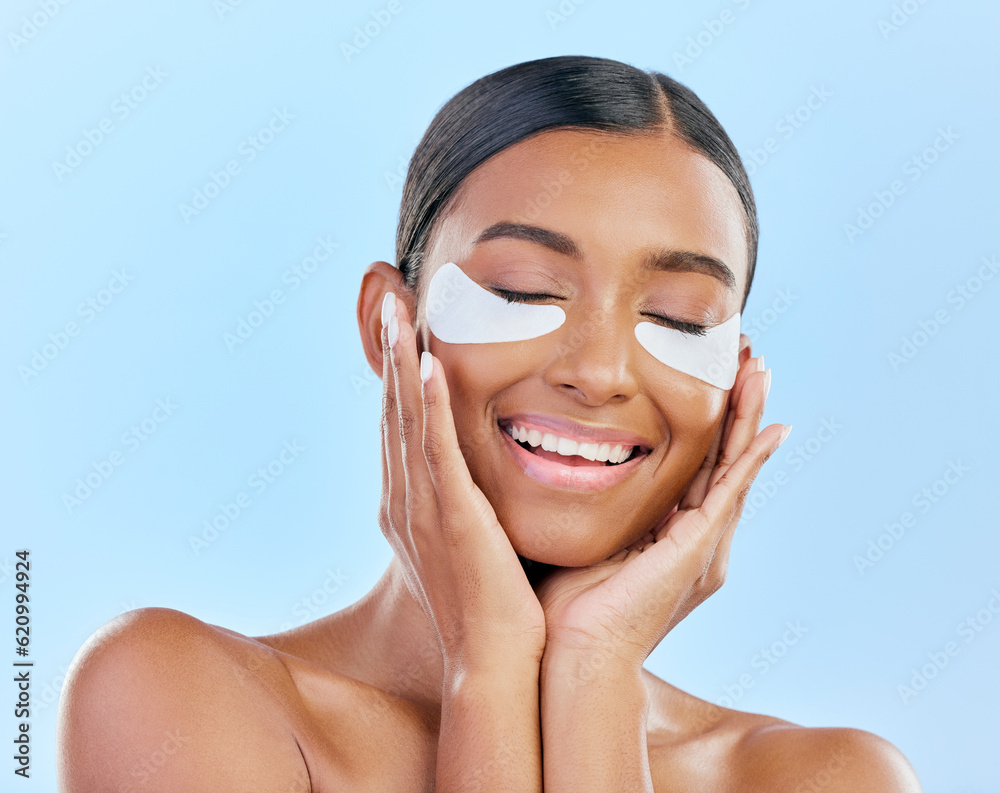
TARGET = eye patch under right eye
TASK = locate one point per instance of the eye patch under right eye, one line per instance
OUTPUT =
(460, 311)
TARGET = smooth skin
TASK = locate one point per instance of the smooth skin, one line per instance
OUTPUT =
(457, 668)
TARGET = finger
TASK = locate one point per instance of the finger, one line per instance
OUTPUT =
(725, 499)
(391, 452)
(445, 463)
(748, 414)
(393, 504)
(420, 496)
(695, 493)
(750, 366)
(720, 562)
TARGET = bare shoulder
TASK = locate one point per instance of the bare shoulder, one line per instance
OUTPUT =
(832, 759)
(158, 700)
(695, 744)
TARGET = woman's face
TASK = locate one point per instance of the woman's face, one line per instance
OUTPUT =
(607, 205)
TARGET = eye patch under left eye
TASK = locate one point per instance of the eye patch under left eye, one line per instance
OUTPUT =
(460, 311)
(712, 358)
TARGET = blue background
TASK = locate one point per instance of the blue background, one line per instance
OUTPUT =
(830, 305)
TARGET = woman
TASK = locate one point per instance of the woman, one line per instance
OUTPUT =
(569, 430)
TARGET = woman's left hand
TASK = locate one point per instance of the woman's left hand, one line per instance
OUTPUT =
(623, 606)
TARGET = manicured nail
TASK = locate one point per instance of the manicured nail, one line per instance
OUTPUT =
(784, 434)
(767, 383)
(760, 363)
(393, 330)
(426, 365)
(388, 307)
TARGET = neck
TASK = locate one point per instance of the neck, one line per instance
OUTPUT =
(388, 641)
(391, 643)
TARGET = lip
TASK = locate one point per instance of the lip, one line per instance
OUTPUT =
(585, 478)
(576, 432)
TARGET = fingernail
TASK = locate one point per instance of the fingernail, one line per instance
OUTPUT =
(388, 307)
(393, 330)
(426, 365)
(760, 363)
(767, 383)
(784, 434)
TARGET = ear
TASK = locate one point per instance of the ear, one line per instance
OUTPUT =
(378, 279)
(745, 349)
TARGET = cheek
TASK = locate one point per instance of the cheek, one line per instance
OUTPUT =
(474, 375)
(693, 412)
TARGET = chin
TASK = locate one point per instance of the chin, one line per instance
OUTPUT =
(561, 546)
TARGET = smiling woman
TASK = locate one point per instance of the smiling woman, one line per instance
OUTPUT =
(570, 426)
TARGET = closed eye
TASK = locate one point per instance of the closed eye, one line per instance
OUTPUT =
(525, 297)
(684, 327)
(520, 297)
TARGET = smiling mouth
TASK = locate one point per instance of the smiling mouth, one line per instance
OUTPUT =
(575, 460)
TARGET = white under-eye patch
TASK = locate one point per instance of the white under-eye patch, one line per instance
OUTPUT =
(460, 311)
(712, 358)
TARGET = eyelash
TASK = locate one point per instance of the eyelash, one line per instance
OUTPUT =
(523, 297)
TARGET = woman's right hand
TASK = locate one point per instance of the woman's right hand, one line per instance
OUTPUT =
(458, 563)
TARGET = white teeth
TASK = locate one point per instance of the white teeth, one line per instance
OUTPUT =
(566, 447)
(550, 442)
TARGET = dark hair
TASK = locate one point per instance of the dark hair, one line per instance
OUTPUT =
(509, 105)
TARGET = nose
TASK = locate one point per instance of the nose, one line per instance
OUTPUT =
(593, 359)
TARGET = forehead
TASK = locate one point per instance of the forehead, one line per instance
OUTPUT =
(614, 195)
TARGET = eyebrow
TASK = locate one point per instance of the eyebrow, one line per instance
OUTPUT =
(665, 260)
